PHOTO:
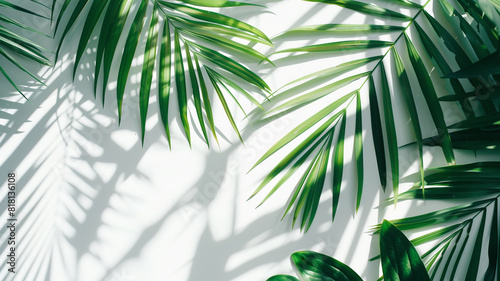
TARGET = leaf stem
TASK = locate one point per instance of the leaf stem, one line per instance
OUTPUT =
(395, 41)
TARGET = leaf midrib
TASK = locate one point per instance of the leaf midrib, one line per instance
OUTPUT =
(395, 41)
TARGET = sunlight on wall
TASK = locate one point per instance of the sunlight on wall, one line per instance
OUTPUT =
(96, 204)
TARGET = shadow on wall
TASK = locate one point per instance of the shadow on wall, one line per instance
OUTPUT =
(84, 193)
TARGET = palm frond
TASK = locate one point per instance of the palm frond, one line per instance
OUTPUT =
(478, 182)
(185, 33)
(13, 44)
(400, 261)
(414, 83)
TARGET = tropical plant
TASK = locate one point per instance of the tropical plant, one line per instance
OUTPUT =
(185, 34)
(323, 133)
(400, 261)
(13, 44)
(479, 183)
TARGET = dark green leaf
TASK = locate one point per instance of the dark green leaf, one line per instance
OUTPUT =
(128, 54)
(88, 27)
(412, 109)
(344, 28)
(484, 67)
(227, 43)
(164, 77)
(282, 278)
(215, 18)
(211, 28)
(358, 150)
(478, 122)
(400, 260)
(377, 133)
(76, 12)
(218, 3)
(118, 23)
(472, 271)
(432, 101)
(392, 141)
(315, 267)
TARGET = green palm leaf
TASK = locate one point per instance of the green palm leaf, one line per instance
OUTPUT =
(188, 59)
(410, 65)
(479, 182)
(13, 45)
(282, 277)
(400, 261)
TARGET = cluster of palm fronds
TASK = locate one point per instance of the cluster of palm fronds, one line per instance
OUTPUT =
(474, 88)
(324, 131)
(196, 51)
(12, 42)
(477, 182)
(184, 34)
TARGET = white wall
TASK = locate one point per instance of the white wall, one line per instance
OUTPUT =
(94, 204)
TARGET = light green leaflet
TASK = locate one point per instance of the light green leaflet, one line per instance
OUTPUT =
(338, 166)
(310, 143)
(128, 53)
(304, 126)
(211, 28)
(392, 140)
(218, 3)
(192, 30)
(206, 101)
(13, 43)
(340, 46)
(325, 73)
(314, 184)
(316, 94)
(229, 64)
(340, 28)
